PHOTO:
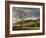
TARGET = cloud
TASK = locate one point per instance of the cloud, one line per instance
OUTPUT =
(29, 12)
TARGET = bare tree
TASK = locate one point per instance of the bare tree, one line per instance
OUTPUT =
(20, 14)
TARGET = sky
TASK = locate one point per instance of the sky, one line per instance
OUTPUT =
(29, 12)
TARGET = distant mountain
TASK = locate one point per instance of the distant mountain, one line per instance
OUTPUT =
(33, 18)
(26, 20)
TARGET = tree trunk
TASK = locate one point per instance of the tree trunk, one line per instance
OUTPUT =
(21, 23)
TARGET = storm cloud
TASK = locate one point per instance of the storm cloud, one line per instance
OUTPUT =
(29, 12)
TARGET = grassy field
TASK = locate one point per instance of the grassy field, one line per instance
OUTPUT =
(27, 25)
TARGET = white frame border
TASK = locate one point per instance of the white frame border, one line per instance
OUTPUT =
(26, 31)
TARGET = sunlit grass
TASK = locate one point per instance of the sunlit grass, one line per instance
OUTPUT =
(27, 26)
